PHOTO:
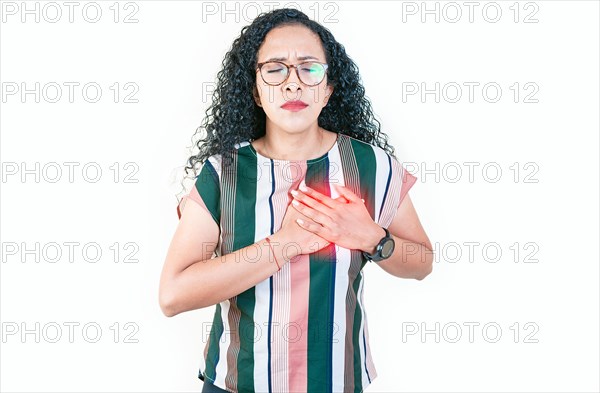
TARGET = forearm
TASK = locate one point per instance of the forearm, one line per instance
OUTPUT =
(211, 281)
(409, 260)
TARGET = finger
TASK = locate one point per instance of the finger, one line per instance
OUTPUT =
(342, 199)
(324, 199)
(314, 214)
(311, 226)
(349, 195)
(311, 202)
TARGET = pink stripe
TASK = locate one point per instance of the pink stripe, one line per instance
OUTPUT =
(193, 195)
(299, 292)
(408, 180)
(298, 328)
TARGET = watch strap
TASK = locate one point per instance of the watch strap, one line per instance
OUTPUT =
(376, 257)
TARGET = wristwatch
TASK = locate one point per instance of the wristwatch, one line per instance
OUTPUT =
(384, 249)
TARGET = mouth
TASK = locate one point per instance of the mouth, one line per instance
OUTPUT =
(294, 106)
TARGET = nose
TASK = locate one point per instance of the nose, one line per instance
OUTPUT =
(292, 87)
(292, 82)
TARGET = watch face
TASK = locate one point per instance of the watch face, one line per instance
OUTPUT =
(387, 249)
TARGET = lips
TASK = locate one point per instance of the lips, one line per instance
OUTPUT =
(294, 105)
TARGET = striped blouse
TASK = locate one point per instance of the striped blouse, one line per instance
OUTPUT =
(304, 329)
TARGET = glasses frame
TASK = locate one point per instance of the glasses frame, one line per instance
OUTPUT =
(288, 66)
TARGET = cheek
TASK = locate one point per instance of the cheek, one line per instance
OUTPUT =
(311, 96)
(318, 96)
(268, 96)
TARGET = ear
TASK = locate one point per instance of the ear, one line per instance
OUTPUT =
(256, 96)
(329, 93)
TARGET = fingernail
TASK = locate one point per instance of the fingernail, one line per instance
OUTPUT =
(303, 186)
(295, 202)
(294, 192)
(300, 221)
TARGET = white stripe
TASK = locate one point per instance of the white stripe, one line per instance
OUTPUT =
(262, 289)
(224, 342)
(369, 359)
(281, 286)
(382, 173)
(361, 332)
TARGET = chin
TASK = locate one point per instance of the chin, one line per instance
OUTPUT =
(297, 124)
(296, 127)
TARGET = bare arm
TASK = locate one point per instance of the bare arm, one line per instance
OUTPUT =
(413, 255)
(190, 279)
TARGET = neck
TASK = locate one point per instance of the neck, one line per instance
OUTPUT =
(283, 145)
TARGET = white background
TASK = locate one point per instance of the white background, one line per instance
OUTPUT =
(547, 210)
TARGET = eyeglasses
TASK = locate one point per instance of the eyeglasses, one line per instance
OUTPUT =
(274, 73)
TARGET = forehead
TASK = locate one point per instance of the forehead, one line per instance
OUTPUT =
(291, 42)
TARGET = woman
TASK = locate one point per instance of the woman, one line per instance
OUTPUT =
(289, 123)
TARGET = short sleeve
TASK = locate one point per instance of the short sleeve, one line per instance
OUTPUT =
(206, 191)
(395, 183)
(408, 180)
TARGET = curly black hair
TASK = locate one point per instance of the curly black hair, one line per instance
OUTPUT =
(234, 116)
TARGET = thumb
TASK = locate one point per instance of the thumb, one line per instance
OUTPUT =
(346, 193)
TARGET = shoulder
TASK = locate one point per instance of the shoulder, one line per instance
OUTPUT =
(366, 151)
(242, 144)
(210, 170)
(217, 163)
(380, 161)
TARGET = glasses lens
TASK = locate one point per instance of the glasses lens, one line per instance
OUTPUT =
(273, 73)
(311, 73)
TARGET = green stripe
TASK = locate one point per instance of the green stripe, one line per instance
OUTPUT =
(320, 323)
(212, 357)
(367, 166)
(366, 171)
(243, 236)
(207, 184)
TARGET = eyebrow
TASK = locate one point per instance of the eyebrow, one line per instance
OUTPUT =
(285, 58)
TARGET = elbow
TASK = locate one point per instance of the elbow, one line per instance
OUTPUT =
(427, 269)
(166, 301)
(168, 310)
(175, 302)
(425, 273)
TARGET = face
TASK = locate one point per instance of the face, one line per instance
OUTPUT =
(292, 45)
